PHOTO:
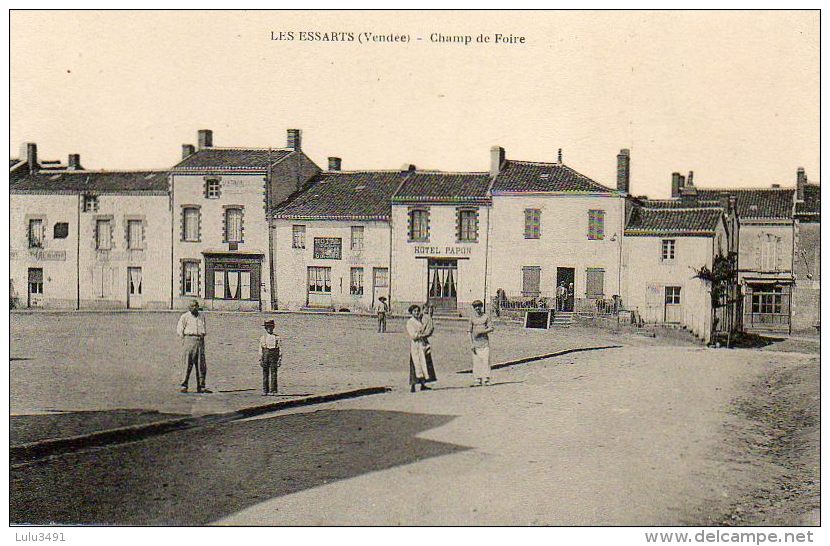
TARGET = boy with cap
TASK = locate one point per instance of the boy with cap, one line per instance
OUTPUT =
(382, 308)
(270, 357)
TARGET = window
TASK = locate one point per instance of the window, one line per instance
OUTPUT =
(356, 282)
(233, 225)
(191, 220)
(61, 230)
(36, 233)
(533, 223)
(90, 203)
(232, 285)
(103, 235)
(467, 225)
(531, 276)
(594, 282)
(297, 236)
(596, 225)
(357, 237)
(135, 234)
(190, 278)
(328, 248)
(672, 295)
(212, 188)
(419, 225)
(769, 252)
(768, 302)
(319, 280)
(667, 249)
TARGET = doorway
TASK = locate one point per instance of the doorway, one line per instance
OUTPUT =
(673, 310)
(35, 290)
(442, 283)
(566, 275)
(380, 284)
(135, 289)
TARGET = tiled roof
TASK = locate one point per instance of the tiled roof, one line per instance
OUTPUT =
(761, 203)
(527, 176)
(673, 221)
(358, 195)
(13, 162)
(92, 181)
(232, 158)
(440, 186)
(812, 201)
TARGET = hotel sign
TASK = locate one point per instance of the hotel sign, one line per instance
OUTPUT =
(328, 248)
(443, 251)
(40, 255)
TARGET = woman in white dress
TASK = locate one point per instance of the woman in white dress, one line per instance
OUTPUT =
(418, 373)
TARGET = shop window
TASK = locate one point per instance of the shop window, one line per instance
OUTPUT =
(319, 280)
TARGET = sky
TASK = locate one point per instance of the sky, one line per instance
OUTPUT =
(733, 96)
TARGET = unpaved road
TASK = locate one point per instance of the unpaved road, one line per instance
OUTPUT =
(634, 436)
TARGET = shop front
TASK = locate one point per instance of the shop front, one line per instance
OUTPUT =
(233, 281)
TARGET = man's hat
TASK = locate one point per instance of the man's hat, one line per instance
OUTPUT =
(382, 298)
(268, 323)
(478, 303)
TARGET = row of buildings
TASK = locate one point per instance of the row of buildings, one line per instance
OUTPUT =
(267, 228)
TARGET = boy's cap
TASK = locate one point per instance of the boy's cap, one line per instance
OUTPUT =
(382, 298)
(478, 303)
(268, 323)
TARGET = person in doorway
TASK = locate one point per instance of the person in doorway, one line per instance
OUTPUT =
(270, 358)
(192, 329)
(561, 294)
(382, 309)
(418, 374)
(480, 329)
(569, 299)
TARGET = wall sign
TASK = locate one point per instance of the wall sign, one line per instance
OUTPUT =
(328, 248)
(40, 255)
(443, 251)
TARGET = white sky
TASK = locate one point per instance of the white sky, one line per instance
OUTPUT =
(733, 96)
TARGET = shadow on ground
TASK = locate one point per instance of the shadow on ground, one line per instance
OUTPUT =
(32, 428)
(198, 476)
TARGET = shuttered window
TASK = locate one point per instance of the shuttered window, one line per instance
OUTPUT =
(594, 282)
(596, 225)
(533, 223)
(531, 278)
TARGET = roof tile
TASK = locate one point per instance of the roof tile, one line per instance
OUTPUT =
(527, 176)
(441, 186)
(93, 181)
(232, 158)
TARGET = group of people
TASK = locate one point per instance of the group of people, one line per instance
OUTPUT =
(564, 296)
(192, 329)
(420, 327)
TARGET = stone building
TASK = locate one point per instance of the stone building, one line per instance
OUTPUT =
(806, 293)
(331, 241)
(88, 239)
(220, 238)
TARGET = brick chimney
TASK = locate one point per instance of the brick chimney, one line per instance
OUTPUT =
(800, 182)
(334, 163)
(188, 150)
(205, 138)
(73, 163)
(677, 182)
(295, 139)
(559, 156)
(624, 170)
(496, 160)
(31, 156)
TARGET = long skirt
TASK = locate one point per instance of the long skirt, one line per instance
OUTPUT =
(481, 363)
(430, 370)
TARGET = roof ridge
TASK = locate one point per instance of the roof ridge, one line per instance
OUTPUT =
(102, 171)
(240, 148)
(767, 188)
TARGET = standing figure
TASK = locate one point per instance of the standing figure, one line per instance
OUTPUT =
(480, 328)
(569, 302)
(191, 328)
(427, 330)
(561, 293)
(418, 374)
(382, 308)
(270, 358)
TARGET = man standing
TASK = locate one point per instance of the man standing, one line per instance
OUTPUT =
(561, 291)
(480, 330)
(382, 308)
(192, 330)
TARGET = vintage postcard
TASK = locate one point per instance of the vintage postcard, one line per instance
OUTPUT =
(422, 268)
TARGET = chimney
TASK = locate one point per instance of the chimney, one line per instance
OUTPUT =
(800, 182)
(776, 186)
(74, 163)
(205, 138)
(496, 160)
(733, 204)
(690, 180)
(559, 156)
(408, 168)
(188, 150)
(334, 163)
(688, 195)
(31, 156)
(676, 184)
(623, 170)
(295, 139)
